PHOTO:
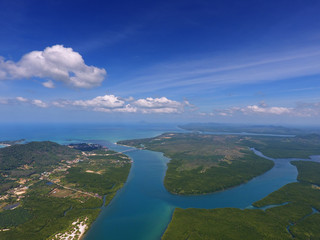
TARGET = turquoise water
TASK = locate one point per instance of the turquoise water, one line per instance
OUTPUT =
(66, 133)
(142, 209)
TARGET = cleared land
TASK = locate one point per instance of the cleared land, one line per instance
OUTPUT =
(296, 217)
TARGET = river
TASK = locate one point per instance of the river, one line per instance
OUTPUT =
(142, 209)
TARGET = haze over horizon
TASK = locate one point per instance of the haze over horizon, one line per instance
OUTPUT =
(171, 61)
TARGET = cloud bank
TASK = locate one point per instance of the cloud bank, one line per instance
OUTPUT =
(56, 63)
(163, 105)
(300, 110)
(110, 103)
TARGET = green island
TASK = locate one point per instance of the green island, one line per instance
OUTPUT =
(205, 163)
(294, 214)
(51, 191)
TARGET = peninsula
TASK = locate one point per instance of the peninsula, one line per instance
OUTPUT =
(205, 163)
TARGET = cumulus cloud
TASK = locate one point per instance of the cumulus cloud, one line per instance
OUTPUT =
(39, 103)
(22, 99)
(56, 63)
(48, 84)
(106, 101)
(159, 105)
(156, 102)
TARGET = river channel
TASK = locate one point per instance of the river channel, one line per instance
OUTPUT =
(143, 208)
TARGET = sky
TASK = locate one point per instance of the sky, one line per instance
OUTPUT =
(225, 61)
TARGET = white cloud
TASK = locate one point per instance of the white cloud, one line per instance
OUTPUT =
(39, 103)
(163, 105)
(22, 99)
(112, 103)
(159, 105)
(156, 102)
(56, 63)
(128, 108)
(106, 101)
(268, 110)
(300, 110)
(48, 84)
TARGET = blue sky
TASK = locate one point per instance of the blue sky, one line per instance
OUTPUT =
(180, 61)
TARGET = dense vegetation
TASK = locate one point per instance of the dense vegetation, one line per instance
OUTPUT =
(49, 214)
(85, 146)
(24, 160)
(308, 171)
(14, 217)
(71, 190)
(102, 176)
(305, 143)
(296, 216)
(287, 147)
(216, 178)
(237, 128)
(37, 154)
(204, 163)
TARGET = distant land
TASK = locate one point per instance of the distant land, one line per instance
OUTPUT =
(51, 191)
(243, 128)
